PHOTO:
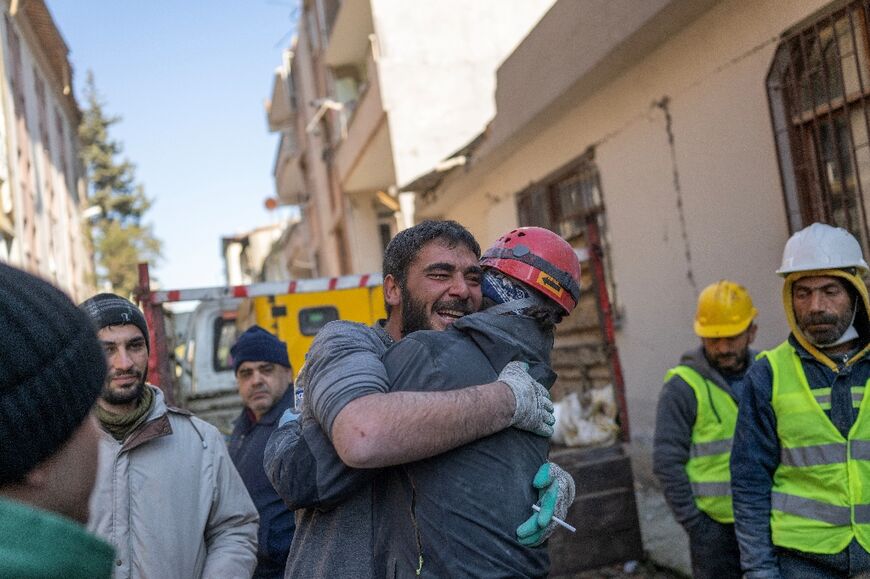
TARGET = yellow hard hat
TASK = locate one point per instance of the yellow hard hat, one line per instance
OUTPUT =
(724, 310)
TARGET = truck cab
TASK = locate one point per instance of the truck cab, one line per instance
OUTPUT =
(206, 383)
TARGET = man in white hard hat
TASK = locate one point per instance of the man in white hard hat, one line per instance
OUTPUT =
(800, 464)
(695, 420)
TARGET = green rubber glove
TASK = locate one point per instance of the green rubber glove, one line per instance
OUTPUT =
(555, 495)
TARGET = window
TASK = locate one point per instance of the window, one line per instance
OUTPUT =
(568, 202)
(819, 94)
(312, 319)
(225, 335)
(386, 227)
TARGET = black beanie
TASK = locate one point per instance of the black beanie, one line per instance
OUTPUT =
(111, 310)
(258, 345)
(52, 370)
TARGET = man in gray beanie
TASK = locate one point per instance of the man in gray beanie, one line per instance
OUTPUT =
(51, 372)
(167, 496)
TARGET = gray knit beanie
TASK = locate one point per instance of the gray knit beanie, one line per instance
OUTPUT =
(52, 370)
(111, 310)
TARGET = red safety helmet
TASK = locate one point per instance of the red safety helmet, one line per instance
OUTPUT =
(539, 258)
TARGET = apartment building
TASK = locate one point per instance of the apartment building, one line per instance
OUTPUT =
(42, 187)
(373, 93)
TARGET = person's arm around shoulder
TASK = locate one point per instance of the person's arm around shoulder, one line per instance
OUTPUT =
(231, 530)
(754, 459)
(675, 419)
(343, 362)
(392, 428)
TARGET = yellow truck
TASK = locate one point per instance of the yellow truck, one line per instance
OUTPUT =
(190, 352)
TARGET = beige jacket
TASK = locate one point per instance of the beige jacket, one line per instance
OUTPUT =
(171, 502)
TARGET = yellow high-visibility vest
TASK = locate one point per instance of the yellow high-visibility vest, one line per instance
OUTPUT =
(820, 498)
(710, 454)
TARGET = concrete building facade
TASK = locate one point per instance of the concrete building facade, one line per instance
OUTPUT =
(42, 186)
(674, 143)
(371, 95)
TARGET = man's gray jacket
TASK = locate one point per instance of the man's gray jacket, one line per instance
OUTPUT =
(333, 502)
(170, 501)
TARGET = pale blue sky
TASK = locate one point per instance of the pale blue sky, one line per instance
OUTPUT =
(189, 78)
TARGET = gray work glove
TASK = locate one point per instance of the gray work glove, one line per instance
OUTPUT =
(534, 410)
(555, 496)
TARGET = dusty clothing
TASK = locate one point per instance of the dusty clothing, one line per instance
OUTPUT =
(333, 503)
(456, 514)
(170, 501)
(37, 544)
(247, 444)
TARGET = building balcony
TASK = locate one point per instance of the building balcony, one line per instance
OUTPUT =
(288, 172)
(349, 33)
(364, 158)
(281, 107)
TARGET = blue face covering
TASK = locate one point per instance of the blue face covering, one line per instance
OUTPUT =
(508, 294)
(500, 288)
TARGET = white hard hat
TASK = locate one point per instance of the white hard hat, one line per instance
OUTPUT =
(821, 246)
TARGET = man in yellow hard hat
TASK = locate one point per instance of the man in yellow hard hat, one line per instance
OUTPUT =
(697, 412)
(801, 460)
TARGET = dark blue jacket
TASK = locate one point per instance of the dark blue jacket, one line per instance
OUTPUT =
(755, 453)
(246, 445)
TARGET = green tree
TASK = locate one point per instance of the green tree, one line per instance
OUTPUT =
(120, 238)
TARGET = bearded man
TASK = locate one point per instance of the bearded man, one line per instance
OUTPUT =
(800, 464)
(167, 497)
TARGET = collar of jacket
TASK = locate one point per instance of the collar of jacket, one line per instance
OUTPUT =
(697, 361)
(380, 328)
(155, 426)
(862, 325)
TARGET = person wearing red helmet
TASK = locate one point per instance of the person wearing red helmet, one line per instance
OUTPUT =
(456, 514)
(324, 464)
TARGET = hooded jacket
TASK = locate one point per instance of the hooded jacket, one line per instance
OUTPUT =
(756, 451)
(675, 420)
(170, 501)
(456, 514)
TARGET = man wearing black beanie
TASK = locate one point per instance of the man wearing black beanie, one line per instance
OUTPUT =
(167, 495)
(264, 378)
(51, 372)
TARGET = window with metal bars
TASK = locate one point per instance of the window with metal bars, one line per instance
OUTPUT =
(568, 202)
(819, 94)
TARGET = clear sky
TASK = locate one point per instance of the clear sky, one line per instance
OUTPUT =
(189, 78)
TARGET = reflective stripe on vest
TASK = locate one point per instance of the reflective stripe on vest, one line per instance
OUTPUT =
(823, 397)
(820, 498)
(708, 467)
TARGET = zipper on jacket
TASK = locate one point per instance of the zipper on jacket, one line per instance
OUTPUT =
(417, 533)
